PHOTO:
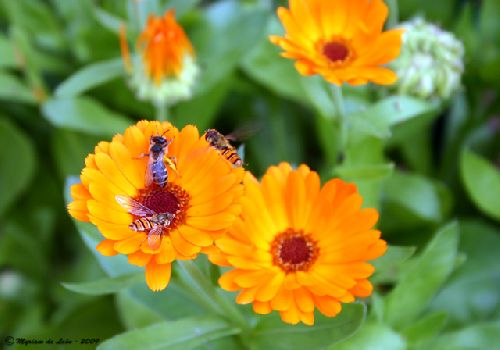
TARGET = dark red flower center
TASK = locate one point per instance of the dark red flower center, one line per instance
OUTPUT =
(294, 251)
(171, 199)
(161, 202)
(336, 51)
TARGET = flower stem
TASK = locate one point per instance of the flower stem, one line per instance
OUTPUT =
(161, 111)
(196, 284)
(393, 19)
(338, 101)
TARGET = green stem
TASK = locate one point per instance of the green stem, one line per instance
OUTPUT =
(341, 116)
(201, 289)
(161, 111)
(393, 19)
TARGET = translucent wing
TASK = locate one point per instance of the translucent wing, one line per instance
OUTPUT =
(149, 171)
(245, 131)
(133, 206)
(154, 236)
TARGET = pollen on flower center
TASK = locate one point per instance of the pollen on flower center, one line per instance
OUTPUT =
(171, 199)
(294, 251)
(336, 51)
(161, 202)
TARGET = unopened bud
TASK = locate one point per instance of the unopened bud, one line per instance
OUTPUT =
(431, 61)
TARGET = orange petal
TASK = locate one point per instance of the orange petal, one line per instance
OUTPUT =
(106, 248)
(129, 245)
(139, 258)
(167, 252)
(261, 308)
(157, 276)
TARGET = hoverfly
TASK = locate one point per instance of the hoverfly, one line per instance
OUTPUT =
(148, 220)
(222, 145)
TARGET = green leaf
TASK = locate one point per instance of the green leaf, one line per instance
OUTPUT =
(172, 303)
(89, 77)
(265, 65)
(70, 148)
(94, 319)
(84, 114)
(377, 119)
(365, 153)
(482, 181)
(202, 109)
(13, 89)
(426, 200)
(7, 58)
(184, 334)
(319, 95)
(181, 6)
(422, 277)
(18, 163)
(272, 333)
(108, 20)
(373, 336)
(475, 286)
(106, 285)
(222, 18)
(424, 330)
(474, 337)
(365, 171)
(387, 267)
(134, 313)
(36, 18)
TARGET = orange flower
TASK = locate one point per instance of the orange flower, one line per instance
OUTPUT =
(297, 246)
(165, 69)
(342, 40)
(203, 191)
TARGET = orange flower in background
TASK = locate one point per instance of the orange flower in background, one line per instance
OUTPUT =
(341, 40)
(202, 192)
(164, 69)
(297, 246)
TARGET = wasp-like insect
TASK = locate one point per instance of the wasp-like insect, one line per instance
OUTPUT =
(148, 220)
(222, 145)
(156, 170)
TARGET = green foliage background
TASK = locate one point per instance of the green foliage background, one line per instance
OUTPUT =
(432, 169)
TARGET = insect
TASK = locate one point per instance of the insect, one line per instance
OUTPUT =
(221, 143)
(148, 220)
(156, 170)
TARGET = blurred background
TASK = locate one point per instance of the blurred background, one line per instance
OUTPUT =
(52, 115)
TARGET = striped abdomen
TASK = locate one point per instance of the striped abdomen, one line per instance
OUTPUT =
(141, 225)
(231, 155)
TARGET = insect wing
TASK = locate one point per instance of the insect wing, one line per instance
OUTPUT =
(133, 206)
(149, 171)
(154, 236)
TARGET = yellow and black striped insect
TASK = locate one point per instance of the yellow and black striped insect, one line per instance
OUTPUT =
(148, 220)
(222, 145)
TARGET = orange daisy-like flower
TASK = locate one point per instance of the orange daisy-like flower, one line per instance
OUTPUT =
(342, 40)
(165, 69)
(202, 192)
(297, 246)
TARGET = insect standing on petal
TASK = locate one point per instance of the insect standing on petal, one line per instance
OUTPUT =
(222, 145)
(156, 170)
(148, 220)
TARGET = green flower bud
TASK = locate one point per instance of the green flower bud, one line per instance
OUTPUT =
(431, 61)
